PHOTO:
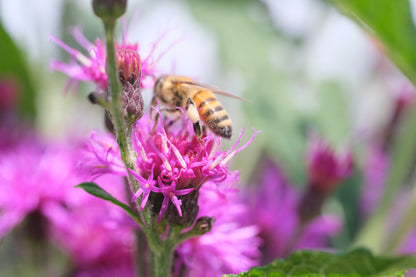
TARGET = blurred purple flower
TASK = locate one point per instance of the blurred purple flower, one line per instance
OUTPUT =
(39, 178)
(325, 167)
(33, 175)
(172, 162)
(274, 208)
(98, 236)
(231, 246)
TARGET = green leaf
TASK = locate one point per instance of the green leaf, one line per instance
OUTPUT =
(391, 22)
(357, 263)
(99, 192)
(13, 66)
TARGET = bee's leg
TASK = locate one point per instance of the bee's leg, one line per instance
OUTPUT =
(156, 119)
(153, 105)
(192, 113)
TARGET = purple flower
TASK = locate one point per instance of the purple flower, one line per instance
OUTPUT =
(170, 162)
(231, 246)
(33, 175)
(40, 178)
(98, 236)
(91, 67)
(273, 206)
(325, 167)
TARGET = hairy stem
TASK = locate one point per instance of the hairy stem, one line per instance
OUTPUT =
(161, 250)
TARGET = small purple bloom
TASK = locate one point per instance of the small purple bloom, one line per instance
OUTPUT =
(325, 167)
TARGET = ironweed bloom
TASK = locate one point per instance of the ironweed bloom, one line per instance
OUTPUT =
(171, 162)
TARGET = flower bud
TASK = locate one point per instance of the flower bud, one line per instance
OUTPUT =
(109, 10)
(204, 224)
(189, 210)
(129, 66)
(132, 103)
(326, 169)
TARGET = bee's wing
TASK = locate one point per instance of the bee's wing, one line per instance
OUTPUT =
(211, 88)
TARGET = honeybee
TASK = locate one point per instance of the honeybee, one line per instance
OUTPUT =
(197, 99)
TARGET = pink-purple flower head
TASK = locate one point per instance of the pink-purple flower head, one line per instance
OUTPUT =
(170, 162)
(325, 167)
(90, 65)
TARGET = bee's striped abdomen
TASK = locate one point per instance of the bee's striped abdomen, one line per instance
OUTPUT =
(212, 113)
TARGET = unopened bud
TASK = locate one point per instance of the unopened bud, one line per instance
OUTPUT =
(189, 209)
(109, 10)
(132, 103)
(129, 66)
(204, 224)
(326, 169)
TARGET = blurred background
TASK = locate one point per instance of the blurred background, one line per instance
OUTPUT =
(303, 66)
(300, 63)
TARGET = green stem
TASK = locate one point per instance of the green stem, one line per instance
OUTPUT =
(162, 260)
(161, 250)
(143, 254)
